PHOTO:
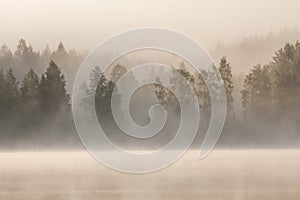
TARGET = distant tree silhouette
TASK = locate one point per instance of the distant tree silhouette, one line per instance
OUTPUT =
(166, 96)
(6, 58)
(52, 91)
(30, 85)
(202, 90)
(257, 93)
(2, 94)
(273, 91)
(29, 102)
(94, 78)
(103, 95)
(9, 92)
(225, 71)
(102, 88)
(117, 72)
(270, 94)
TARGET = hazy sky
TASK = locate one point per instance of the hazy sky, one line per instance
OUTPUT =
(83, 24)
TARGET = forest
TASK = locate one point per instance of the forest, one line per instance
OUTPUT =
(35, 109)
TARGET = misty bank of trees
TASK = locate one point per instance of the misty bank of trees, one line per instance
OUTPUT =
(37, 97)
(272, 91)
(25, 58)
(246, 52)
(198, 83)
(271, 98)
(38, 109)
(35, 112)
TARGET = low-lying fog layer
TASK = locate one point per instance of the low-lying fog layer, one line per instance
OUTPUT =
(244, 174)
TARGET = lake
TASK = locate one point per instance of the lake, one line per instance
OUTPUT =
(224, 174)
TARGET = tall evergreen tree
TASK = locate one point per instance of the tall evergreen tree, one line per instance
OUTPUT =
(162, 94)
(166, 97)
(52, 92)
(29, 88)
(94, 78)
(202, 90)
(225, 71)
(2, 94)
(117, 72)
(11, 86)
(6, 57)
(10, 92)
(286, 80)
(257, 93)
(103, 90)
(22, 49)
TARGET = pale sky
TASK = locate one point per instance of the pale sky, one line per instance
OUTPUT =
(84, 24)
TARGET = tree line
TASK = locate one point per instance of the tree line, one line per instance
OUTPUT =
(37, 95)
(270, 96)
(271, 92)
(39, 104)
(25, 58)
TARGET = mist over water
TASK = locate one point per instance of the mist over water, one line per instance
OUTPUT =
(45, 129)
(255, 47)
(244, 174)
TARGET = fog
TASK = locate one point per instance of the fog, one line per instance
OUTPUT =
(42, 22)
(273, 122)
(44, 44)
(260, 174)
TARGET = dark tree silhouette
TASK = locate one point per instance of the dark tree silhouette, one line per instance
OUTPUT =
(225, 70)
(52, 91)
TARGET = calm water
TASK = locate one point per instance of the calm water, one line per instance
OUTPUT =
(261, 174)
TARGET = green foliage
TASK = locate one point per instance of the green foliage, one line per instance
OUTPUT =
(162, 94)
(167, 98)
(177, 85)
(273, 91)
(101, 89)
(257, 93)
(46, 95)
(225, 71)
(202, 90)
(103, 95)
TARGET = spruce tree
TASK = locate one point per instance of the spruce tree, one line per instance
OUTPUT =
(29, 88)
(52, 91)
(225, 71)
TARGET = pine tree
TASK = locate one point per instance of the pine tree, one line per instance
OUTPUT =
(10, 92)
(103, 95)
(257, 93)
(2, 94)
(52, 92)
(286, 80)
(11, 86)
(102, 88)
(162, 94)
(29, 88)
(22, 49)
(6, 57)
(166, 96)
(60, 55)
(202, 91)
(225, 71)
(94, 78)
(46, 52)
(117, 72)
